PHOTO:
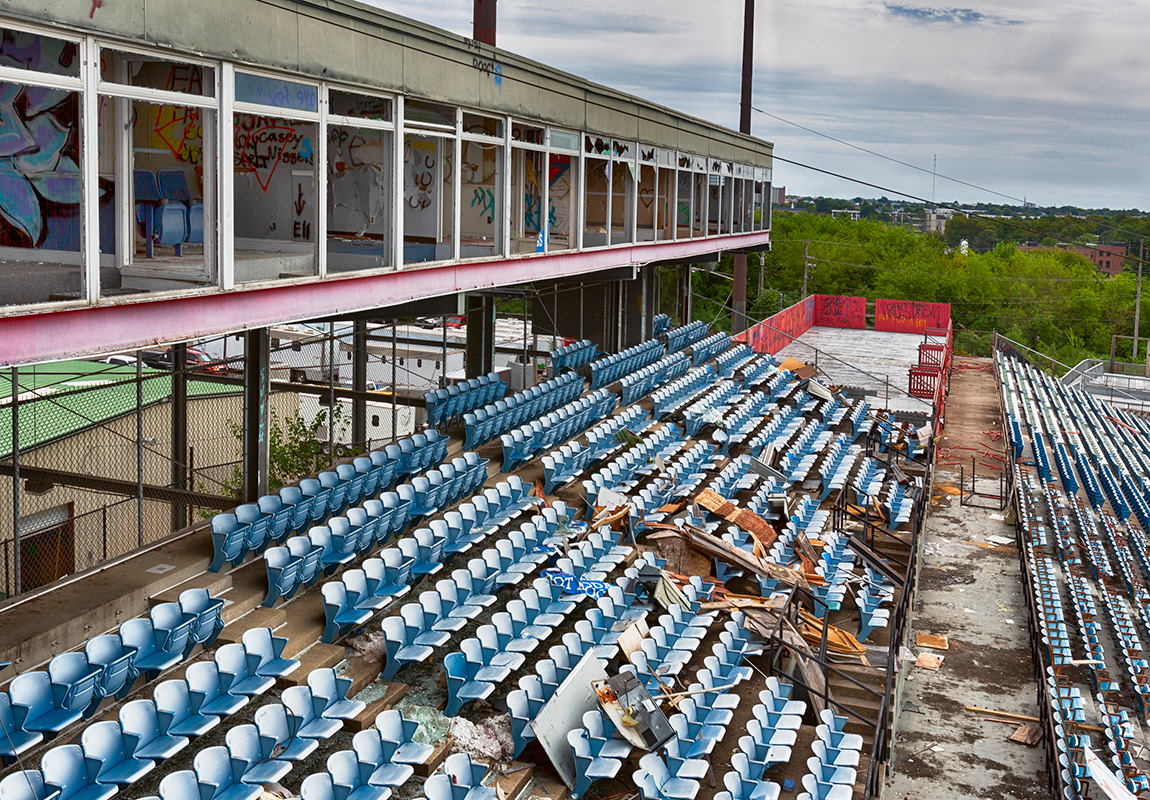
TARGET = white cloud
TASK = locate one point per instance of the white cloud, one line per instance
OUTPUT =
(1046, 99)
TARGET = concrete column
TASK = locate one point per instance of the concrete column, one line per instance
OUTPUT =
(257, 366)
(480, 335)
(686, 306)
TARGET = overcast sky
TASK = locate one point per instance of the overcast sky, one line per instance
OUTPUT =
(1047, 99)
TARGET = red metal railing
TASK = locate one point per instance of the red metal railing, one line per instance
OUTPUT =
(930, 378)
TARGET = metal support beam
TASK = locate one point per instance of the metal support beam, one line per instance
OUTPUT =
(739, 288)
(480, 335)
(127, 488)
(685, 304)
(359, 383)
(179, 453)
(257, 365)
(16, 585)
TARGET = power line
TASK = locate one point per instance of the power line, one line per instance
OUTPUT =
(967, 274)
(918, 199)
(889, 158)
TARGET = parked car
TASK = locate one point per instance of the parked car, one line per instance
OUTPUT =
(196, 360)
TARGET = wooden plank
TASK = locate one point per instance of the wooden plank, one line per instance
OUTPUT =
(932, 641)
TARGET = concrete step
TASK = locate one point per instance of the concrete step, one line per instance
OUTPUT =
(260, 618)
(304, 625)
(432, 764)
(316, 657)
(215, 582)
(392, 693)
(362, 671)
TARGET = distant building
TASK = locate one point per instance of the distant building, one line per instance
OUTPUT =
(1108, 258)
(934, 221)
(852, 213)
(778, 195)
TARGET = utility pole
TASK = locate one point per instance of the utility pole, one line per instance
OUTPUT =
(1138, 298)
(806, 266)
(739, 288)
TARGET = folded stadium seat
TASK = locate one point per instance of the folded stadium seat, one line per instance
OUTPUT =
(463, 777)
(206, 610)
(352, 537)
(400, 649)
(144, 737)
(258, 525)
(75, 682)
(309, 555)
(300, 505)
(206, 691)
(228, 541)
(320, 498)
(164, 223)
(463, 684)
(279, 512)
(381, 517)
(493, 654)
(353, 479)
(283, 574)
(115, 661)
(400, 507)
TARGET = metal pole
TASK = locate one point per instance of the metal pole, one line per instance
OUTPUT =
(140, 448)
(1138, 299)
(16, 480)
(806, 266)
(483, 22)
(394, 388)
(443, 381)
(331, 393)
(179, 431)
(525, 357)
(748, 65)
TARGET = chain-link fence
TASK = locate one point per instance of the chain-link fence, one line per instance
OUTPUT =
(115, 456)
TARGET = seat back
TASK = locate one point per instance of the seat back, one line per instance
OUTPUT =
(24, 785)
(104, 742)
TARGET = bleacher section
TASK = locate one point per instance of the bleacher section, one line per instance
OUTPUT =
(441, 547)
(1082, 505)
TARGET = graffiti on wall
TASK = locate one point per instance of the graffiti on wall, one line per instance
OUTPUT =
(774, 333)
(833, 311)
(264, 143)
(910, 316)
(39, 148)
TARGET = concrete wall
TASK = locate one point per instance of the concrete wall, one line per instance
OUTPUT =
(347, 41)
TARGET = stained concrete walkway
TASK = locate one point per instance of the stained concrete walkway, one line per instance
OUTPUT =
(969, 589)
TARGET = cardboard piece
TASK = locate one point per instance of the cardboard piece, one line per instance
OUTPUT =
(932, 641)
(931, 661)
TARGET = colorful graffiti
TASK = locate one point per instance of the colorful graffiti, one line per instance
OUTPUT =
(833, 311)
(910, 316)
(776, 332)
(39, 148)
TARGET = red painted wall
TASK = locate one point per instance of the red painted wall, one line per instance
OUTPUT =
(775, 333)
(833, 311)
(910, 316)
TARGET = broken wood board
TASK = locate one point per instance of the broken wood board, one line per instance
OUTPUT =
(1029, 735)
(1024, 717)
(930, 661)
(764, 622)
(724, 551)
(933, 641)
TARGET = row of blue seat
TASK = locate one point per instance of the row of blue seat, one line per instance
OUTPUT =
(706, 349)
(685, 335)
(253, 526)
(727, 364)
(613, 366)
(669, 398)
(41, 703)
(644, 380)
(446, 405)
(495, 419)
(660, 323)
(115, 754)
(541, 435)
(573, 356)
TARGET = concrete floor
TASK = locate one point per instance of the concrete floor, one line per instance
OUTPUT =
(970, 590)
(875, 361)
